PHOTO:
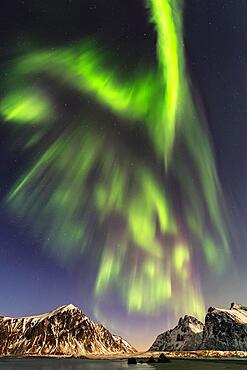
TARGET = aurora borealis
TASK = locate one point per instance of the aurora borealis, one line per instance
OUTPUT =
(119, 167)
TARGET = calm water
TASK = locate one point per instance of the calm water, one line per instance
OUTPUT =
(43, 364)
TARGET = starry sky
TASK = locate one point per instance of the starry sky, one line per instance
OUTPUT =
(35, 275)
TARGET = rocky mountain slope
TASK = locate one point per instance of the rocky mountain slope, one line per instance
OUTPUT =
(64, 331)
(224, 329)
(186, 336)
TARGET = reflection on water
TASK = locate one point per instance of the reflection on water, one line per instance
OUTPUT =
(72, 364)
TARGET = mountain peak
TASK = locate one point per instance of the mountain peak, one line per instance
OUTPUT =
(186, 335)
(187, 319)
(238, 306)
(68, 307)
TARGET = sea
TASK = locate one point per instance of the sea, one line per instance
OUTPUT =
(78, 364)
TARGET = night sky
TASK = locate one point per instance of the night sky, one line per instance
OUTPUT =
(40, 267)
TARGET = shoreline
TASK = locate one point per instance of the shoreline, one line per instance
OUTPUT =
(204, 355)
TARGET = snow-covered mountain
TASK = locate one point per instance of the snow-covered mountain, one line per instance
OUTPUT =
(64, 331)
(186, 336)
(224, 329)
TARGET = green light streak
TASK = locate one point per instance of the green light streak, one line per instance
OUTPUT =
(164, 15)
(25, 106)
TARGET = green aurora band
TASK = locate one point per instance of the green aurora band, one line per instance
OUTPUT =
(159, 220)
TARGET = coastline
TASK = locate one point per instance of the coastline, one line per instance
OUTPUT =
(209, 355)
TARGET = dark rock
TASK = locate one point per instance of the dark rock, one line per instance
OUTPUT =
(151, 360)
(132, 361)
(163, 359)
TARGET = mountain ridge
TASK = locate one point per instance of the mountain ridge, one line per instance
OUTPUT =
(224, 329)
(65, 330)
